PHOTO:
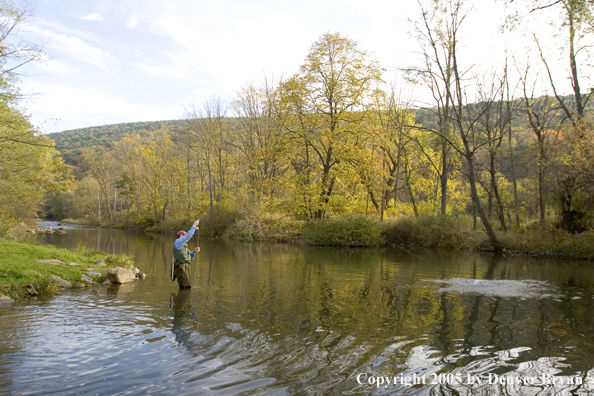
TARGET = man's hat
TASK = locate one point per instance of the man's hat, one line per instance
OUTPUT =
(181, 233)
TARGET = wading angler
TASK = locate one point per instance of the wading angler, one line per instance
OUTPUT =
(182, 257)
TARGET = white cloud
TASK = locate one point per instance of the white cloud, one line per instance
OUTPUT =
(132, 22)
(76, 48)
(92, 17)
(56, 67)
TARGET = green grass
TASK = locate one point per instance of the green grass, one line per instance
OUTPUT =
(19, 266)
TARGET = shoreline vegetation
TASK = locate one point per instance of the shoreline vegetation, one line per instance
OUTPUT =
(434, 232)
(28, 269)
(341, 159)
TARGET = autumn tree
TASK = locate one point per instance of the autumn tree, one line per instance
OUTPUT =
(259, 139)
(29, 166)
(212, 140)
(330, 100)
(438, 31)
(574, 19)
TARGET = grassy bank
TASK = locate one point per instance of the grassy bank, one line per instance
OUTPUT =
(19, 266)
(437, 232)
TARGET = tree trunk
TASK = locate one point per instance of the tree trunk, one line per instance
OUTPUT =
(477, 202)
(444, 179)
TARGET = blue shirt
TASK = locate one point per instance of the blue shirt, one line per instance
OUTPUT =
(181, 241)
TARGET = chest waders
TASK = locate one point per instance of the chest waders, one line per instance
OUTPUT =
(181, 267)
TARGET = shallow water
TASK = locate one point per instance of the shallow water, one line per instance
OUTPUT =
(269, 319)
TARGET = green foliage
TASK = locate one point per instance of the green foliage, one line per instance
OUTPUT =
(215, 224)
(30, 168)
(255, 226)
(549, 240)
(430, 231)
(83, 250)
(350, 230)
(139, 221)
(72, 142)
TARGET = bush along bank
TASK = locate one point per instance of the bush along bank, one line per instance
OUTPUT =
(425, 231)
(29, 270)
(447, 232)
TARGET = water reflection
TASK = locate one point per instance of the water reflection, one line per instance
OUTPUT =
(182, 315)
(284, 319)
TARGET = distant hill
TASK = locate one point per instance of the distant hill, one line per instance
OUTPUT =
(71, 142)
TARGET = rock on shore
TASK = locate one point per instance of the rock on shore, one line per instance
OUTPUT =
(120, 275)
(61, 282)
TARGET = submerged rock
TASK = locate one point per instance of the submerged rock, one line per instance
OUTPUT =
(61, 282)
(120, 291)
(140, 275)
(120, 275)
(5, 300)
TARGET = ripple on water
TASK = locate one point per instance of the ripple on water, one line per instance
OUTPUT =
(500, 288)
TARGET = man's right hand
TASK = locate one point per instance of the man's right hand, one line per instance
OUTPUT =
(196, 223)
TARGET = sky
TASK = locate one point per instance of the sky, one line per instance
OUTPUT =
(114, 61)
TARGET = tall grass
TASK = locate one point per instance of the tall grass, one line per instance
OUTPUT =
(354, 230)
(255, 226)
(444, 232)
(550, 241)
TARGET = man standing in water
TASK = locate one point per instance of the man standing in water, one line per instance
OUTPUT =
(183, 256)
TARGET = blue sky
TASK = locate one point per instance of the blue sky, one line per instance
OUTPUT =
(130, 60)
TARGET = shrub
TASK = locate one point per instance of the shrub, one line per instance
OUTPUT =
(354, 230)
(430, 231)
(216, 223)
(255, 226)
(549, 240)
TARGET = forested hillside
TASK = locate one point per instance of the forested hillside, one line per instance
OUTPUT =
(71, 142)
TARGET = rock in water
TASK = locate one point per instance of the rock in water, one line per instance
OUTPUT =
(120, 275)
(5, 301)
(31, 290)
(61, 282)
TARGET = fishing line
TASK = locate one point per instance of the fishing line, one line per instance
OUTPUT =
(409, 252)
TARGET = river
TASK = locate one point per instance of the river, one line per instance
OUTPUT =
(275, 319)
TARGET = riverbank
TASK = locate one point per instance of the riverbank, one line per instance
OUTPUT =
(435, 232)
(27, 268)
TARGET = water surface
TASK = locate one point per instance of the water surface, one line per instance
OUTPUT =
(272, 319)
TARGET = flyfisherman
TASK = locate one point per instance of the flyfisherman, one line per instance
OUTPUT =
(182, 256)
